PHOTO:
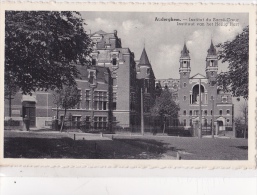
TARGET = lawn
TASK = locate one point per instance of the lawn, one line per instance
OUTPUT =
(62, 145)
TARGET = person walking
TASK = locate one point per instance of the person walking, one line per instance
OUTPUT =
(27, 122)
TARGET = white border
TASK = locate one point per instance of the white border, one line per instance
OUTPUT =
(142, 7)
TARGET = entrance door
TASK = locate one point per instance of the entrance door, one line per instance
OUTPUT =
(220, 124)
(29, 109)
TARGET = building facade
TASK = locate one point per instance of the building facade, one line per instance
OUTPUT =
(94, 108)
(110, 90)
(189, 90)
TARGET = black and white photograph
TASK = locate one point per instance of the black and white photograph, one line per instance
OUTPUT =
(126, 85)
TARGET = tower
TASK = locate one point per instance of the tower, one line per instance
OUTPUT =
(211, 63)
(184, 69)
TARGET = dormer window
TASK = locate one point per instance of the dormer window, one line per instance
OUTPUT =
(91, 76)
(148, 70)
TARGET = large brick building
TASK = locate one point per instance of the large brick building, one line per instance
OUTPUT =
(186, 90)
(110, 90)
(95, 86)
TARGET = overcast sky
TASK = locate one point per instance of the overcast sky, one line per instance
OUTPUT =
(164, 40)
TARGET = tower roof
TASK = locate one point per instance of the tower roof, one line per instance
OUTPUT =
(212, 50)
(144, 61)
(185, 51)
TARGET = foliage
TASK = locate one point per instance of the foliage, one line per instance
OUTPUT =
(40, 47)
(66, 98)
(236, 53)
(165, 105)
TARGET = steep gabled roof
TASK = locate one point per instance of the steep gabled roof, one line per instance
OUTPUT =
(144, 61)
(212, 50)
(185, 51)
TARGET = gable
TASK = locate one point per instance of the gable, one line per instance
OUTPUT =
(198, 76)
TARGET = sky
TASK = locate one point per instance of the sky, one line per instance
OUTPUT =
(164, 40)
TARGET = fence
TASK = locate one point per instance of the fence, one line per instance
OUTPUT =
(12, 124)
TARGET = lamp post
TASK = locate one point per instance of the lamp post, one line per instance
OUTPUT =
(142, 112)
(212, 132)
(200, 111)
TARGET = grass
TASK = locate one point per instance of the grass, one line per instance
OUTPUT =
(62, 145)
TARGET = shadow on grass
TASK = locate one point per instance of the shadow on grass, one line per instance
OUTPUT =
(242, 147)
(20, 147)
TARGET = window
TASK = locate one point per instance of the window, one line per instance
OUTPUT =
(205, 112)
(114, 104)
(190, 122)
(224, 99)
(185, 97)
(220, 112)
(212, 98)
(190, 112)
(212, 62)
(212, 74)
(205, 122)
(91, 77)
(213, 83)
(87, 99)
(228, 111)
(100, 100)
(184, 74)
(114, 81)
(185, 112)
(114, 61)
(185, 122)
(211, 112)
(76, 121)
(148, 70)
(185, 84)
(93, 62)
(227, 120)
(78, 106)
(184, 64)
(100, 122)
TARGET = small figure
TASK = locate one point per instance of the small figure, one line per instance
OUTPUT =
(27, 122)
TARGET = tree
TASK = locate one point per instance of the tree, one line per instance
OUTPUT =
(165, 106)
(236, 53)
(66, 98)
(43, 47)
(244, 110)
(10, 89)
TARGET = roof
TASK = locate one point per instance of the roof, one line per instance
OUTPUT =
(185, 51)
(100, 32)
(100, 72)
(212, 50)
(198, 76)
(144, 61)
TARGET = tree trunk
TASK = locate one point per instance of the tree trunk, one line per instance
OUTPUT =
(63, 120)
(164, 126)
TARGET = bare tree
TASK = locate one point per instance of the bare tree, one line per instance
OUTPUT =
(66, 98)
